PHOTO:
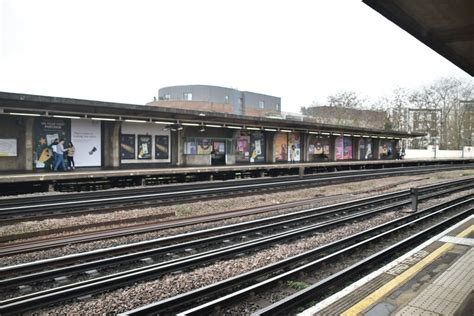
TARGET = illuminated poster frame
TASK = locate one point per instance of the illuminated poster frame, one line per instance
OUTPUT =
(162, 146)
(280, 147)
(127, 146)
(144, 147)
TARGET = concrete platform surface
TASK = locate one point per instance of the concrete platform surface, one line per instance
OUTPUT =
(97, 173)
(436, 278)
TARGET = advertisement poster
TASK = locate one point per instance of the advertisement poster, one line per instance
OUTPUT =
(280, 147)
(204, 146)
(45, 131)
(242, 150)
(161, 147)
(8, 147)
(86, 138)
(294, 147)
(219, 147)
(127, 146)
(257, 147)
(386, 149)
(339, 148)
(365, 148)
(368, 149)
(191, 148)
(144, 147)
(343, 148)
(347, 148)
(318, 148)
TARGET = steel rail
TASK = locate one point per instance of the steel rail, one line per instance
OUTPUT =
(267, 224)
(303, 297)
(88, 287)
(25, 302)
(41, 245)
(177, 222)
(121, 232)
(40, 206)
(277, 271)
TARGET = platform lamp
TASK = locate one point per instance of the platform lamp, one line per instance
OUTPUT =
(202, 129)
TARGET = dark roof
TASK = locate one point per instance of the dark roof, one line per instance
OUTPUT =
(445, 26)
(54, 105)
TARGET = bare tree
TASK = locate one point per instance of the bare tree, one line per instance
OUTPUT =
(346, 99)
(445, 94)
(436, 109)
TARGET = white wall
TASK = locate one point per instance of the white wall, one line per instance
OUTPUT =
(418, 154)
(429, 153)
(449, 154)
(468, 152)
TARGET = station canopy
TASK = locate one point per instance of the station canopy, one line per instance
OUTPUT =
(445, 26)
(34, 105)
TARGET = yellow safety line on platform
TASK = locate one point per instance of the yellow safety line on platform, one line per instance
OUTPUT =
(397, 281)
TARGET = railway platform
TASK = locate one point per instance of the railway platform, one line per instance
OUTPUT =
(436, 278)
(260, 169)
(91, 179)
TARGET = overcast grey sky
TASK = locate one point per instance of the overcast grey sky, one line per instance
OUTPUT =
(125, 51)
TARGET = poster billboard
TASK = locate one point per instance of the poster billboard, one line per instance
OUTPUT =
(257, 147)
(86, 138)
(127, 146)
(294, 147)
(242, 149)
(347, 148)
(204, 146)
(218, 147)
(144, 147)
(45, 131)
(365, 148)
(280, 147)
(162, 146)
(343, 148)
(386, 149)
(339, 148)
(318, 148)
(8, 147)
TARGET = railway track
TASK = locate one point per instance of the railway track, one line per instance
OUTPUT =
(112, 281)
(34, 208)
(175, 245)
(167, 224)
(36, 245)
(217, 299)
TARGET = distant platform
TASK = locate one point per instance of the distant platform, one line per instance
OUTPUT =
(286, 168)
(436, 278)
(301, 168)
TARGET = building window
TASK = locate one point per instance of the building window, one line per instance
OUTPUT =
(277, 107)
(188, 96)
(261, 104)
(226, 98)
(167, 96)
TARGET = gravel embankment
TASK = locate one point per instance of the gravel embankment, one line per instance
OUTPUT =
(167, 286)
(218, 205)
(170, 285)
(206, 207)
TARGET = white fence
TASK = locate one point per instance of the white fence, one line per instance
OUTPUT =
(433, 152)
